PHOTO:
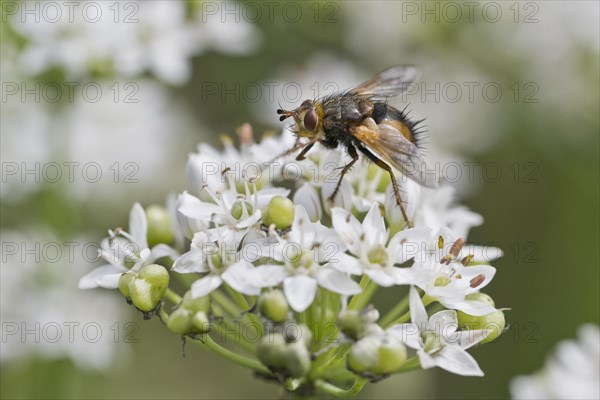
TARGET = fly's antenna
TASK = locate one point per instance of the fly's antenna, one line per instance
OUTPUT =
(284, 114)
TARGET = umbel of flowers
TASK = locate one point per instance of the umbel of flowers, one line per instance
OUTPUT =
(280, 278)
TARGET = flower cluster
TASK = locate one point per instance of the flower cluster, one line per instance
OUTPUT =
(262, 248)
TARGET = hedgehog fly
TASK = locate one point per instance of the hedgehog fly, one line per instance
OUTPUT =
(361, 120)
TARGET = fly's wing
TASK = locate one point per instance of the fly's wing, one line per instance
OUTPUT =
(389, 83)
(396, 150)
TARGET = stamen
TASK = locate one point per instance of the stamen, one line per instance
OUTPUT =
(440, 242)
(467, 260)
(478, 280)
(457, 246)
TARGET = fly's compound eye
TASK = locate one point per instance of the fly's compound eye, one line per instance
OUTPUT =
(310, 120)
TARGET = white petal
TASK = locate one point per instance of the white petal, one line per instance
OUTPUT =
(337, 281)
(408, 244)
(408, 334)
(193, 207)
(426, 360)
(444, 322)
(300, 291)
(380, 277)
(374, 227)
(138, 225)
(470, 307)
(106, 276)
(458, 361)
(192, 261)
(162, 250)
(308, 197)
(349, 229)
(239, 277)
(204, 286)
(418, 315)
(302, 227)
(251, 220)
(346, 263)
(469, 338)
(268, 275)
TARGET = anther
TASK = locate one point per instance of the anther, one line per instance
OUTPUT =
(478, 280)
(457, 246)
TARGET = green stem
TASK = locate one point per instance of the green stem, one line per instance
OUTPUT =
(232, 356)
(398, 309)
(366, 296)
(231, 328)
(329, 363)
(406, 316)
(328, 388)
(173, 297)
(228, 305)
(253, 319)
(364, 281)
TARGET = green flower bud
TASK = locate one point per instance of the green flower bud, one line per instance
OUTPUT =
(271, 350)
(160, 229)
(494, 322)
(352, 324)
(298, 333)
(197, 304)
(363, 355)
(273, 305)
(179, 321)
(376, 355)
(124, 282)
(142, 295)
(149, 288)
(201, 322)
(481, 297)
(297, 360)
(390, 355)
(237, 210)
(280, 212)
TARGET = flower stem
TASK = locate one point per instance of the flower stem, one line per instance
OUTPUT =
(243, 303)
(227, 305)
(232, 356)
(357, 300)
(331, 389)
(406, 316)
(398, 309)
(173, 297)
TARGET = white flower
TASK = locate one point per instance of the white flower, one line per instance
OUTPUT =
(430, 208)
(436, 340)
(229, 207)
(368, 243)
(571, 373)
(308, 198)
(215, 252)
(308, 253)
(122, 249)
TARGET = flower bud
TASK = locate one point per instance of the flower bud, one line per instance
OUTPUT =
(179, 321)
(160, 229)
(237, 210)
(378, 355)
(197, 304)
(124, 282)
(271, 350)
(297, 359)
(200, 322)
(308, 197)
(149, 288)
(273, 305)
(352, 324)
(298, 332)
(494, 322)
(279, 211)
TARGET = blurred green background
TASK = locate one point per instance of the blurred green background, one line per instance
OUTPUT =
(541, 135)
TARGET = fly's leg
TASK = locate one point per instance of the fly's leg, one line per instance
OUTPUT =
(297, 145)
(352, 152)
(382, 164)
(306, 149)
